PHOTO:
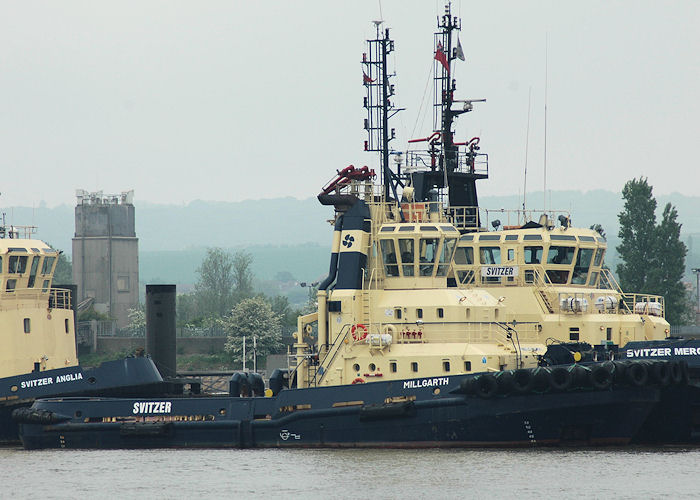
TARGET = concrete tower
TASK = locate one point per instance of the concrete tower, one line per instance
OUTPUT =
(105, 253)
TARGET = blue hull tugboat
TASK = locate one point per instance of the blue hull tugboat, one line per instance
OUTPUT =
(430, 330)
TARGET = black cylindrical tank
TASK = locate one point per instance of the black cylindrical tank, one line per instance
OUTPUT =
(160, 328)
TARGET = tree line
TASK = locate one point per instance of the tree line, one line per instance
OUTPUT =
(224, 299)
(652, 254)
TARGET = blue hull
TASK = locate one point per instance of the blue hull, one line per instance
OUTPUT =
(413, 413)
(125, 377)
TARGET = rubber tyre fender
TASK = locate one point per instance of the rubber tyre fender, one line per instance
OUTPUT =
(601, 377)
(505, 382)
(522, 381)
(581, 376)
(660, 373)
(466, 386)
(620, 371)
(676, 371)
(685, 372)
(486, 386)
(540, 380)
(559, 379)
(636, 374)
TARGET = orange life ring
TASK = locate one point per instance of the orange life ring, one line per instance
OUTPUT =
(358, 380)
(359, 331)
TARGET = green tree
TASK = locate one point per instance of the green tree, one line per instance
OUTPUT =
(242, 276)
(137, 321)
(250, 318)
(63, 274)
(667, 273)
(652, 256)
(637, 236)
(214, 287)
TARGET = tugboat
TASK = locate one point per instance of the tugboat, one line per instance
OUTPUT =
(38, 356)
(415, 343)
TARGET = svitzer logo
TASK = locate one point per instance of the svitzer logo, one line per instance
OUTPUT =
(347, 242)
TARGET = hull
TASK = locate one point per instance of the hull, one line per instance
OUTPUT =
(126, 377)
(407, 413)
(677, 418)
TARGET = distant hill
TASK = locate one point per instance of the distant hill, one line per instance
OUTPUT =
(291, 235)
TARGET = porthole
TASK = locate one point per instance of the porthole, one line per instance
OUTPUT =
(372, 367)
(356, 367)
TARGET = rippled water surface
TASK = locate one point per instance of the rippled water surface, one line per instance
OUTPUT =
(356, 474)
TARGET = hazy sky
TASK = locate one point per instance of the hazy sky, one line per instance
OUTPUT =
(233, 100)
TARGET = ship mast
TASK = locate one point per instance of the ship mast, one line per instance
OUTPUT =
(375, 77)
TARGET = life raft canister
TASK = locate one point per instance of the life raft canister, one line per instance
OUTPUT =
(358, 331)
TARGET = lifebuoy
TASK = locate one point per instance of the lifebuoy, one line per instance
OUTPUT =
(358, 331)
(358, 380)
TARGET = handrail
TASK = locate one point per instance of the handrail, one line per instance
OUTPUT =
(335, 348)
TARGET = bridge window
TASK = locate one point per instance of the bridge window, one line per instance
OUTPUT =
(533, 255)
(464, 255)
(45, 286)
(407, 256)
(428, 253)
(389, 256)
(446, 256)
(531, 237)
(599, 257)
(558, 277)
(594, 279)
(18, 264)
(0, 263)
(583, 262)
(490, 255)
(11, 284)
(32, 271)
(561, 255)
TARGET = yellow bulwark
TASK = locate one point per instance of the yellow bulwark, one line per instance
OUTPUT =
(442, 296)
(36, 321)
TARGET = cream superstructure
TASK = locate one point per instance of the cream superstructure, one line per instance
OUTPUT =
(440, 298)
(36, 321)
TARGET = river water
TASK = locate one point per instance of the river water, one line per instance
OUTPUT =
(354, 474)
